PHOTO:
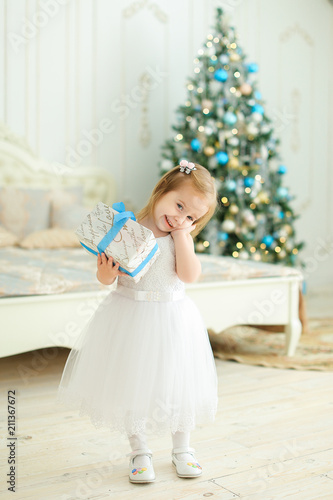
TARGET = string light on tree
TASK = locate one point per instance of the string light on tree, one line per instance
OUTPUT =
(223, 125)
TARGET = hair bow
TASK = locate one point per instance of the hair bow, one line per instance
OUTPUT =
(187, 166)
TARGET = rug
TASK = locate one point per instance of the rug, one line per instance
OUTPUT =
(255, 346)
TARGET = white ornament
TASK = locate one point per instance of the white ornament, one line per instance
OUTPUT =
(221, 138)
(264, 150)
(218, 183)
(167, 165)
(228, 226)
(243, 255)
(233, 141)
(265, 129)
(215, 87)
(247, 215)
(220, 112)
(200, 247)
(240, 116)
(193, 124)
(212, 161)
(256, 117)
(208, 130)
(252, 129)
(274, 164)
(210, 51)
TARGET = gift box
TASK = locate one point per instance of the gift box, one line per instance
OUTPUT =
(115, 232)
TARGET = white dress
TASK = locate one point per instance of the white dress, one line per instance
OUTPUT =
(144, 363)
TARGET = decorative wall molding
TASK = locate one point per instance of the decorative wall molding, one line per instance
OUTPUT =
(297, 95)
(145, 135)
(296, 30)
(137, 6)
(296, 101)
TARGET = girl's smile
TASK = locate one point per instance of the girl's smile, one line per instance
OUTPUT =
(179, 209)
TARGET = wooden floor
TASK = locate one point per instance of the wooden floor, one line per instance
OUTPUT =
(273, 439)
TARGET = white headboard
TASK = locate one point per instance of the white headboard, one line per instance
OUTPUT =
(21, 168)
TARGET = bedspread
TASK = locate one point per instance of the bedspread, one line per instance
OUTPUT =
(40, 272)
(216, 268)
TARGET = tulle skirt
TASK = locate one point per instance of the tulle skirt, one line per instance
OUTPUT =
(142, 367)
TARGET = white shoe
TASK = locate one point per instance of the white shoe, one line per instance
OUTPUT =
(141, 474)
(186, 468)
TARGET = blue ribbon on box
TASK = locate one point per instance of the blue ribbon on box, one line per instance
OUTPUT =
(119, 221)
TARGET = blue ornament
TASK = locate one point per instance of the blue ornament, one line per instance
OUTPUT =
(282, 169)
(258, 95)
(195, 144)
(221, 236)
(230, 185)
(252, 67)
(221, 75)
(248, 181)
(268, 240)
(222, 157)
(258, 161)
(282, 192)
(281, 214)
(197, 107)
(229, 118)
(257, 108)
(292, 258)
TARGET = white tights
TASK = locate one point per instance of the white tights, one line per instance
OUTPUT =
(179, 440)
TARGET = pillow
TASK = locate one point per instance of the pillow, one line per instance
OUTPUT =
(7, 239)
(51, 238)
(23, 211)
(67, 211)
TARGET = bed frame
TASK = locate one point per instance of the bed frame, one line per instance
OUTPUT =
(36, 322)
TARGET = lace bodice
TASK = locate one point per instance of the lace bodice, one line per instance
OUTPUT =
(162, 275)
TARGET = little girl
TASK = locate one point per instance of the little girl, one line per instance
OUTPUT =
(144, 363)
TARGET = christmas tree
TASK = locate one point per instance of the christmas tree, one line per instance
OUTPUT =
(224, 127)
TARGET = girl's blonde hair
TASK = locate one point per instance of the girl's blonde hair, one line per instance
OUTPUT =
(201, 181)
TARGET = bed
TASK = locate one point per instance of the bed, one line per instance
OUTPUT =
(48, 294)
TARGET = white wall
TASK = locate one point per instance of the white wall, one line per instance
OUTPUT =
(69, 66)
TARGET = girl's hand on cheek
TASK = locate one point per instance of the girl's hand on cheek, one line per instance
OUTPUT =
(185, 230)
